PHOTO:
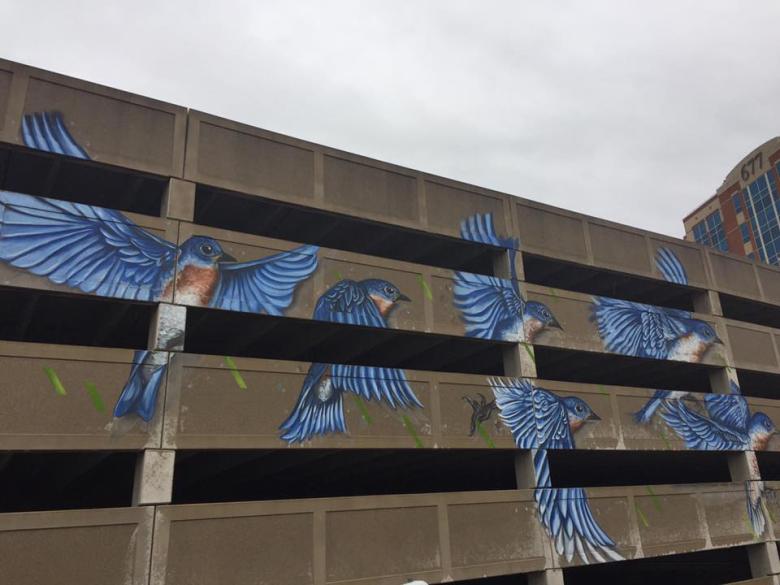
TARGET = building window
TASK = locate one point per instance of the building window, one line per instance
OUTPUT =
(710, 232)
(737, 200)
(761, 200)
(743, 227)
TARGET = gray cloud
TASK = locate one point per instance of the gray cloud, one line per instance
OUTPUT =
(632, 111)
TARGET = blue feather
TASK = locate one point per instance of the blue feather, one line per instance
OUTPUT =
(46, 131)
(490, 307)
(139, 396)
(670, 266)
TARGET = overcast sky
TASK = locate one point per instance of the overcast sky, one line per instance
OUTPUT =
(628, 110)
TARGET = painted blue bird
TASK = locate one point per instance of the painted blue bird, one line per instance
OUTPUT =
(727, 426)
(540, 420)
(101, 251)
(319, 409)
(494, 308)
(647, 331)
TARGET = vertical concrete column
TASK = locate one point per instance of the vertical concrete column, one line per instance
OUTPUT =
(179, 200)
(743, 465)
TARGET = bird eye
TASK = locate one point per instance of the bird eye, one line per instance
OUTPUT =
(579, 408)
(207, 249)
(389, 290)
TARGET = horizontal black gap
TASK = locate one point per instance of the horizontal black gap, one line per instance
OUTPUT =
(242, 334)
(710, 567)
(750, 311)
(586, 279)
(68, 480)
(224, 476)
(46, 317)
(759, 384)
(296, 223)
(573, 468)
(47, 175)
(769, 464)
(603, 368)
(519, 579)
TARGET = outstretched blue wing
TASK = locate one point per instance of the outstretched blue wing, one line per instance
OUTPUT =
(347, 302)
(490, 307)
(266, 285)
(754, 494)
(47, 131)
(700, 432)
(729, 409)
(479, 228)
(516, 409)
(93, 249)
(670, 266)
(319, 409)
(567, 516)
(636, 329)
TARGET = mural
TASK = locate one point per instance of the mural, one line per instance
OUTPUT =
(646, 331)
(101, 251)
(481, 411)
(319, 409)
(494, 308)
(540, 420)
(723, 423)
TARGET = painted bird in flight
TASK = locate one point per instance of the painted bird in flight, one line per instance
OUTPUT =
(647, 331)
(319, 409)
(727, 425)
(540, 420)
(491, 307)
(101, 251)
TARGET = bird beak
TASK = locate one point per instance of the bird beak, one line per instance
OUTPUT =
(555, 325)
(227, 258)
(403, 297)
(593, 417)
(718, 340)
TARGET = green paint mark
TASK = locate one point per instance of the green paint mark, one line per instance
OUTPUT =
(411, 430)
(656, 501)
(666, 441)
(94, 396)
(552, 291)
(55, 381)
(603, 390)
(484, 434)
(235, 373)
(641, 515)
(749, 525)
(425, 288)
(338, 276)
(362, 408)
(529, 348)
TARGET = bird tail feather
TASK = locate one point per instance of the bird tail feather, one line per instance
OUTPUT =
(139, 396)
(644, 414)
(313, 416)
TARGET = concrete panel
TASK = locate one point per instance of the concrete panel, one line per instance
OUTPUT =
(573, 312)
(751, 346)
(380, 193)
(89, 547)
(769, 277)
(483, 535)
(619, 249)
(62, 397)
(111, 126)
(234, 156)
(654, 435)
(5, 90)
(548, 232)
(691, 256)
(669, 523)
(394, 541)
(726, 516)
(222, 402)
(233, 550)
(733, 275)
(448, 206)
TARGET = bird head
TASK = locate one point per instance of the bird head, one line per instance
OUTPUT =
(761, 428)
(538, 317)
(204, 251)
(579, 412)
(384, 294)
(705, 332)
